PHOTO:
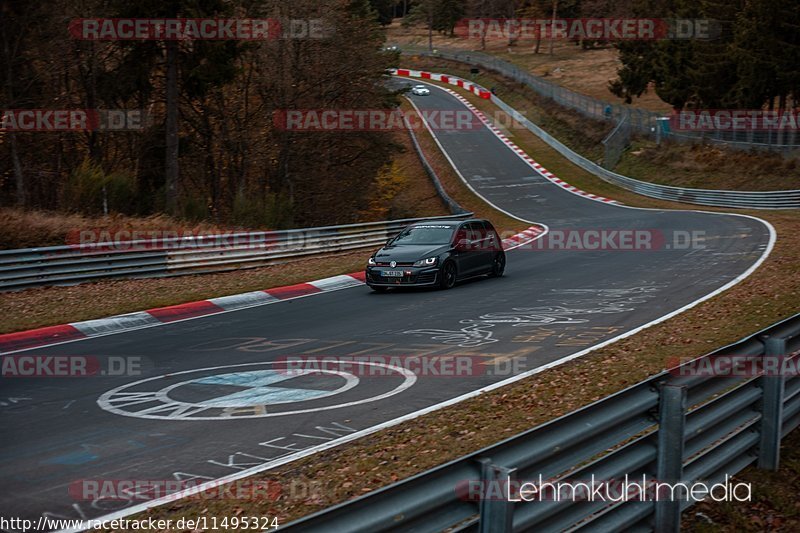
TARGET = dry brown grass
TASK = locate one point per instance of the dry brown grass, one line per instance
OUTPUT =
(404, 189)
(710, 167)
(30, 228)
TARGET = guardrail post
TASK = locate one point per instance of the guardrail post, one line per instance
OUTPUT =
(496, 511)
(772, 386)
(669, 461)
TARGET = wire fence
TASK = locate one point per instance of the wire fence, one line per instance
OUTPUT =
(615, 143)
(640, 121)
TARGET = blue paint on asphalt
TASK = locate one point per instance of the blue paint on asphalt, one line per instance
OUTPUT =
(74, 458)
(260, 391)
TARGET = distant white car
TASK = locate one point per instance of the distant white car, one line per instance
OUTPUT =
(420, 90)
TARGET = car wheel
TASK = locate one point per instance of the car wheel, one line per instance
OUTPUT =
(378, 289)
(498, 265)
(448, 275)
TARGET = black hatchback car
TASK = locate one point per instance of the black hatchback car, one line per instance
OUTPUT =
(437, 253)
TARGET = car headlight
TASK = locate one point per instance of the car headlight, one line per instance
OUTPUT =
(371, 261)
(425, 262)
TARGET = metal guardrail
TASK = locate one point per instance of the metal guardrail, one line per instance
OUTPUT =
(645, 429)
(640, 120)
(67, 265)
(788, 199)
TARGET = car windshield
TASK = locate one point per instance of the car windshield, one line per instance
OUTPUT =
(425, 234)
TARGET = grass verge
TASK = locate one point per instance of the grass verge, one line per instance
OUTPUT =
(768, 295)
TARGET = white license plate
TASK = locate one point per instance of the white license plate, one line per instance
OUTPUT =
(393, 273)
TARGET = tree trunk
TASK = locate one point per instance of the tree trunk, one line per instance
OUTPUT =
(511, 13)
(171, 164)
(430, 28)
(552, 26)
(19, 177)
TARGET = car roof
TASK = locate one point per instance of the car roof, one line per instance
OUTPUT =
(446, 222)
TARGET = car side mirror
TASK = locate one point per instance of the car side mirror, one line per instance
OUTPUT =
(462, 244)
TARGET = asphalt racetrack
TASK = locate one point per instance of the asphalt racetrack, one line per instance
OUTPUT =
(214, 397)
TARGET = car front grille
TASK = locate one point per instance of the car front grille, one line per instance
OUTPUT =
(386, 264)
(426, 277)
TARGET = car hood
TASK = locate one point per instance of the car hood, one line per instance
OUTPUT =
(408, 253)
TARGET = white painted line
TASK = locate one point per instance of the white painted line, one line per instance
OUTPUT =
(107, 403)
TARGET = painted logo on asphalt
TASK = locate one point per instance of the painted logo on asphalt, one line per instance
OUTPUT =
(250, 390)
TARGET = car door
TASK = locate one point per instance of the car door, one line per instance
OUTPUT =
(486, 246)
(468, 256)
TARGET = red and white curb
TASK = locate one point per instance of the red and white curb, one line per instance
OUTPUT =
(445, 78)
(23, 340)
(487, 95)
(164, 315)
(524, 237)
